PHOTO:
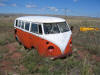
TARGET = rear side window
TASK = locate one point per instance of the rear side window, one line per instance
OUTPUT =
(22, 26)
(19, 25)
(34, 28)
(16, 23)
(27, 25)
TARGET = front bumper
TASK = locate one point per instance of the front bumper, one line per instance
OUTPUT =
(62, 55)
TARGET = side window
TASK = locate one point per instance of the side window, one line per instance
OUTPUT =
(27, 25)
(22, 26)
(16, 23)
(40, 29)
(34, 28)
(19, 24)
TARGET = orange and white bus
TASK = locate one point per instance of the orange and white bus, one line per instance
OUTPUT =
(51, 36)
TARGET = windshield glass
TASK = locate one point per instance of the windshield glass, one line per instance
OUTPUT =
(51, 28)
(63, 27)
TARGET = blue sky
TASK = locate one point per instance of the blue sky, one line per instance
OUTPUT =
(72, 7)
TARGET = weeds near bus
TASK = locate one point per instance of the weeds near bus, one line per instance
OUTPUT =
(14, 59)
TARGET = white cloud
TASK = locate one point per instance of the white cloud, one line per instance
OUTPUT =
(14, 5)
(68, 10)
(31, 6)
(3, 0)
(41, 9)
(53, 9)
(2, 4)
(75, 0)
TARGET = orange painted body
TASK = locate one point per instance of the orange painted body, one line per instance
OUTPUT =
(29, 40)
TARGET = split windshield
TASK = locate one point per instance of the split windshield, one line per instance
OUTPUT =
(51, 28)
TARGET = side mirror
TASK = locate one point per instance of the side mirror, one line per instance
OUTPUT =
(71, 28)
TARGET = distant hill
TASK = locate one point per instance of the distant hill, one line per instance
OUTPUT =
(63, 16)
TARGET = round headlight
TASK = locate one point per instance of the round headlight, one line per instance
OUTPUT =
(50, 48)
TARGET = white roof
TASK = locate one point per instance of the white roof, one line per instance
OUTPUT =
(41, 19)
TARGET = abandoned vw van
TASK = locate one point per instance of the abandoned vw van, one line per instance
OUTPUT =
(51, 36)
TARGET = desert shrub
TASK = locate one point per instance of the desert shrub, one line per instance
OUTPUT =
(3, 50)
(85, 67)
(6, 38)
(44, 66)
(97, 68)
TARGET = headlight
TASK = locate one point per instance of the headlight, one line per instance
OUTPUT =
(50, 48)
